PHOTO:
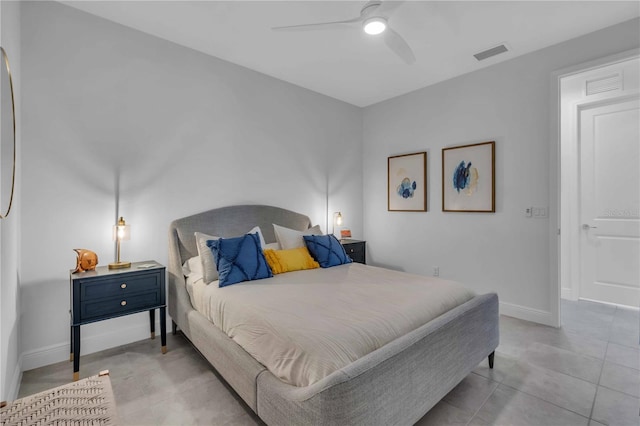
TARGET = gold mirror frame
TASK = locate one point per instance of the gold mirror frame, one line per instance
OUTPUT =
(13, 117)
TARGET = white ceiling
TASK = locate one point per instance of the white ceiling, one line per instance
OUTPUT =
(347, 64)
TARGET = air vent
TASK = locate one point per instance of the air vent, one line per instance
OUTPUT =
(604, 84)
(491, 52)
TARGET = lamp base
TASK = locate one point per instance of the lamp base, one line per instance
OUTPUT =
(119, 265)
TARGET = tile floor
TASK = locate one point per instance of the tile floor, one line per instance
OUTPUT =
(586, 373)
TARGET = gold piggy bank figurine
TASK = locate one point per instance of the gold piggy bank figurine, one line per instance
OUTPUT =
(87, 260)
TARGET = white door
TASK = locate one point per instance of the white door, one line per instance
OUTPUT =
(609, 182)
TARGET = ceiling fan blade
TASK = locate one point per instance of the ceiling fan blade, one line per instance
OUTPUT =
(399, 46)
(388, 7)
(315, 25)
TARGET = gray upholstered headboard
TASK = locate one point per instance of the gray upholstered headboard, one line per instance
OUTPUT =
(229, 221)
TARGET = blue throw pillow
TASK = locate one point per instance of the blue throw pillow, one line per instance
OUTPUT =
(326, 250)
(239, 259)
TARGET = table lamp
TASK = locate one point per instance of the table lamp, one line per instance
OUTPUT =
(337, 220)
(121, 231)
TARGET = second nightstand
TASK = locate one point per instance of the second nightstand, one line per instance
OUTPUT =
(355, 249)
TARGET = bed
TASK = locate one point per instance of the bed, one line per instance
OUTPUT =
(396, 383)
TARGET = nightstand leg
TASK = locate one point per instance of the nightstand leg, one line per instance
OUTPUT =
(76, 352)
(152, 321)
(163, 329)
(71, 340)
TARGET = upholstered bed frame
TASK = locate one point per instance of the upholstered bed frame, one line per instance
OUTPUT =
(396, 384)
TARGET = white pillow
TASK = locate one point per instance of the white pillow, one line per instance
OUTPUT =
(271, 246)
(193, 266)
(290, 238)
(209, 270)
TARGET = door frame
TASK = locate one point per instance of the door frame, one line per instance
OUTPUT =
(559, 259)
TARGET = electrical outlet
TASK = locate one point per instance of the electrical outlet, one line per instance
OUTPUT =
(528, 212)
(436, 271)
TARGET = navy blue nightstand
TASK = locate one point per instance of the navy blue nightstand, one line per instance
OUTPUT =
(108, 293)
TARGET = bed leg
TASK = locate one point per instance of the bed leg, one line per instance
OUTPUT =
(491, 356)
(174, 327)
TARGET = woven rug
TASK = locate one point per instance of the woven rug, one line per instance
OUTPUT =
(87, 402)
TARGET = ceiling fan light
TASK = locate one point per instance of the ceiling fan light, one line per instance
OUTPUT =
(374, 26)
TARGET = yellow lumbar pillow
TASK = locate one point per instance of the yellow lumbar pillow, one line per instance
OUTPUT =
(290, 260)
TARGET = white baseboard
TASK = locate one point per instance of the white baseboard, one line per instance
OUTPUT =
(60, 352)
(527, 314)
(617, 305)
(45, 356)
(14, 384)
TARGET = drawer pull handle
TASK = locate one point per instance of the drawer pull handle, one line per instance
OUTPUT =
(352, 250)
(123, 303)
(123, 285)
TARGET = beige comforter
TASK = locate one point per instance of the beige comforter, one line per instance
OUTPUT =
(305, 325)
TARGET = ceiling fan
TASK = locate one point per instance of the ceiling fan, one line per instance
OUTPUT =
(374, 18)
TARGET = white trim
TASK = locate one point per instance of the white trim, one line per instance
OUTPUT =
(526, 313)
(14, 385)
(631, 308)
(555, 232)
(45, 356)
(554, 201)
(597, 63)
(60, 352)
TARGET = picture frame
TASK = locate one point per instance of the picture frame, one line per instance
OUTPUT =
(468, 178)
(407, 182)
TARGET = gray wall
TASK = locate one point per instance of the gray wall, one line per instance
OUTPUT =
(117, 119)
(508, 103)
(10, 367)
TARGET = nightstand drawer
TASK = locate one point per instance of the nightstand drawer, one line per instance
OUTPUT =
(118, 286)
(119, 305)
(355, 249)
(357, 256)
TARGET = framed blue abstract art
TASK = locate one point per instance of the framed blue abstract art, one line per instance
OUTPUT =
(468, 178)
(407, 183)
